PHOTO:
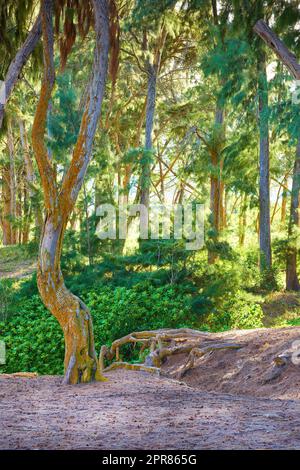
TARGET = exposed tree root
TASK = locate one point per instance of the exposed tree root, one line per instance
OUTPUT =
(162, 344)
(280, 363)
(26, 375)
(128, 366)
(204, 351)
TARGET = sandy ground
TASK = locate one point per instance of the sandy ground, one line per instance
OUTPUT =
(136, 410)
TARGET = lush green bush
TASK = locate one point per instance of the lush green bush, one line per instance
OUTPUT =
(119, 311)
(34, 340)
(158, 287)
(238, 311)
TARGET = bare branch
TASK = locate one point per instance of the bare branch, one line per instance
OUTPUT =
(286, 56)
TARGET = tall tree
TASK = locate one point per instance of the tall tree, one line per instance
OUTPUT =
(289, 59)
(81, 363)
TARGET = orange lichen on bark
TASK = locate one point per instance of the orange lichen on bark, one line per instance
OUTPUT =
(81, 363)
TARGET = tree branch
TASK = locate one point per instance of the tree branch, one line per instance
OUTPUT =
(46, 170)
(286, 56)
(19, 61)
(83, 148)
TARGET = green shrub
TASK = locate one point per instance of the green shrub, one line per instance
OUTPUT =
(34, 339)
(238, 311)
(117, 312)
(246, 316)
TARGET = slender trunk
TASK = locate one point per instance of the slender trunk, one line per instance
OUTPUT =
(216, 191)
(150, 109)
(264, 172)
(5, 216)
(12, 184)
(242, 220)
(223, 206)
(26, 215)
(87, 226)
(30, 179)
(19, 61)
(30, 175)
(292, 282)
(284, 202)
(19, 208)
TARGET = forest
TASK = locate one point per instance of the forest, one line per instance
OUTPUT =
(149, 204)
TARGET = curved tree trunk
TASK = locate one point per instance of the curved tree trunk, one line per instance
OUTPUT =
(71, 313)
(81, 363)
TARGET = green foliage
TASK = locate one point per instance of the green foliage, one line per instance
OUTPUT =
(140, 292)
(34, 340)
(238, 311)
(116, 312)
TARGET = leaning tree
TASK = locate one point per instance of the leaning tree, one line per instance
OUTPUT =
(81, 364)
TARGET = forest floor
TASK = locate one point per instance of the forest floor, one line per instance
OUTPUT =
(16, 263)
(231, 399)
(136, 410)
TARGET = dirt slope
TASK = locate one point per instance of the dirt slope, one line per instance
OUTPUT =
(136, 410)
(247, 371)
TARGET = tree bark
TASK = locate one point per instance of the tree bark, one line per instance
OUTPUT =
(289, 59)
(5, 213)
(30, 175)
(81, 363)
(292, 281)
(283, 202)
(264, 168)
(150, 110)
(12, 183)
(19, 61)
(286, 56)
(29, 189)
(153, 70)
(216, 190)
(242, 220)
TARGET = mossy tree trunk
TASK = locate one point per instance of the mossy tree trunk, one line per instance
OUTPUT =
(81, 363)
